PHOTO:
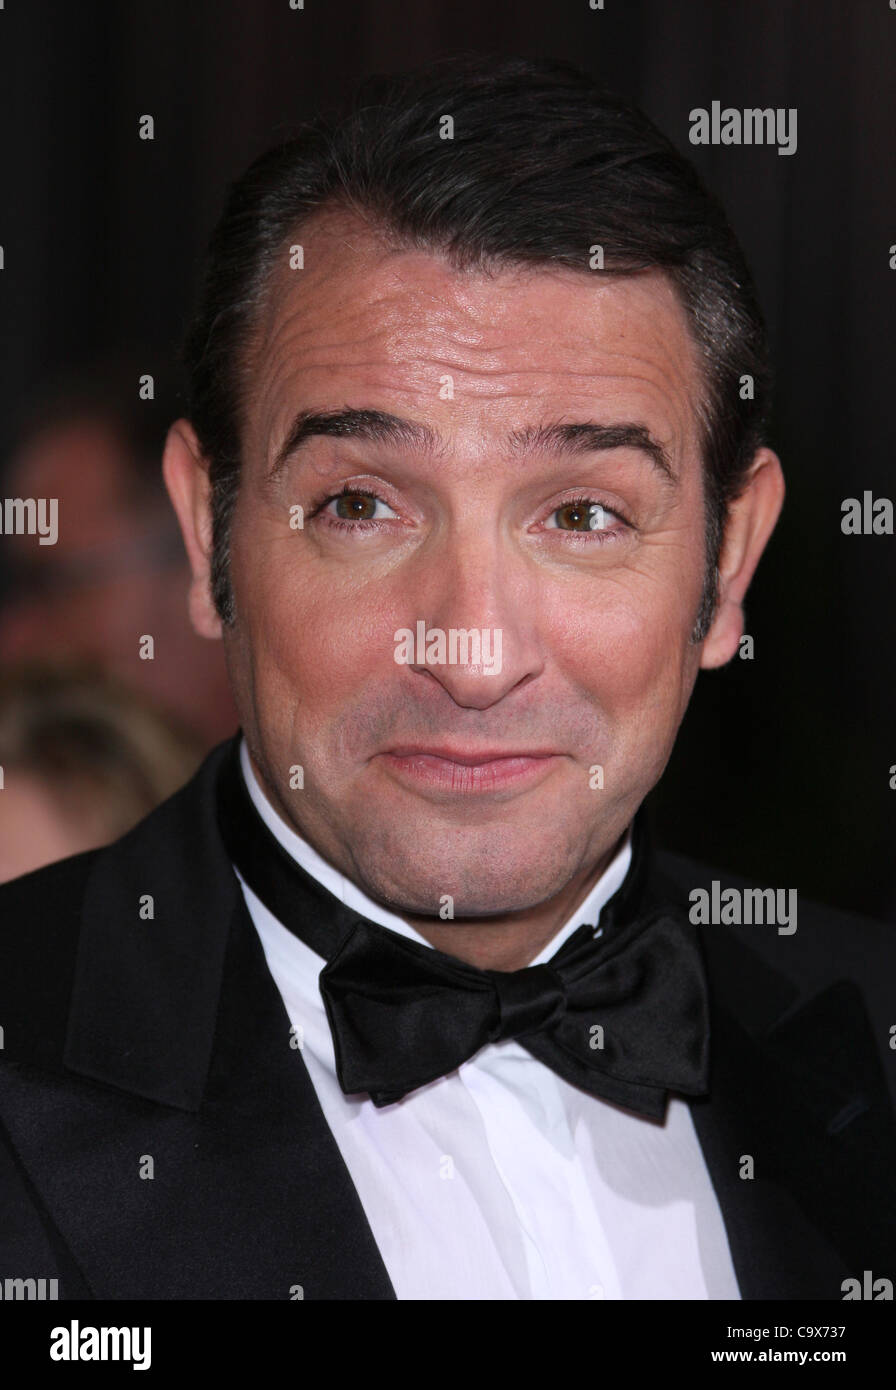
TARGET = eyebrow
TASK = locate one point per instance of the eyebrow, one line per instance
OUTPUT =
(588, 438)
(378, 426)
(374, 426)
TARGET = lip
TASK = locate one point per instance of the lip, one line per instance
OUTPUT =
(464, 774)
(465, 757)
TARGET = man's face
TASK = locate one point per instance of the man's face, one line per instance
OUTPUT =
(478, 531)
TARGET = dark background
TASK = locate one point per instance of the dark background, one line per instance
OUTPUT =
(782, 767)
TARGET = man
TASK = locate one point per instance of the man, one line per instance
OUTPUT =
(396, 998)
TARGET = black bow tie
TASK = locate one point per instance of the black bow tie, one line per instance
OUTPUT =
(621, 1013)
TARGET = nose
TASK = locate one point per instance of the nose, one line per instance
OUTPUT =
(474, 626)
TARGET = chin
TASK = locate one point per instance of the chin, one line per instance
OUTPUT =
(482, 879)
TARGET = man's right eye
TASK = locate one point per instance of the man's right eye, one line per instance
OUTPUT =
(355, 509)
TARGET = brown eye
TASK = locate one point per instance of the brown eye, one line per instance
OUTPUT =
(574, 517)
(355, 510)
(355, 506)
(582, 515)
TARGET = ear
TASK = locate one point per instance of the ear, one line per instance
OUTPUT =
(186, 477)
(751, 520)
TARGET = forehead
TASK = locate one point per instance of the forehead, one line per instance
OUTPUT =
(368, 324)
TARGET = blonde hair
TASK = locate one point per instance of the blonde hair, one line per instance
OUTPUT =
(103, 755)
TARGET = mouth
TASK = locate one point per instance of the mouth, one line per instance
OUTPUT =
(457, 773)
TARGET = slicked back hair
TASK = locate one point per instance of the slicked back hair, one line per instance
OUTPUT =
(544, 164)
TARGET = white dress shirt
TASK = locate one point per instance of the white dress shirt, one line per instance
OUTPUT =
(502, 1180)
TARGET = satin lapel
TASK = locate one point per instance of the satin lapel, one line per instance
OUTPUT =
(195, 1162)
(798, 1088)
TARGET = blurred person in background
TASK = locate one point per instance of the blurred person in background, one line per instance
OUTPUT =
(82, 762)
(118, 570)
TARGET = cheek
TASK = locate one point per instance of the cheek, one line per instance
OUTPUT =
(311, 642)
(625, 641)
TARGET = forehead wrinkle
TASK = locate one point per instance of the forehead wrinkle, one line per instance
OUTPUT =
(456, 322)
(658, 373)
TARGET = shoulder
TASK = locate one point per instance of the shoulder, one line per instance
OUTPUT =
(40, 910)
(40, 915)
(55, 919)
(815, 947)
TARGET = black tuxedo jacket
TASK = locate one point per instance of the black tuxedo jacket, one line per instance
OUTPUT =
(136, 1045)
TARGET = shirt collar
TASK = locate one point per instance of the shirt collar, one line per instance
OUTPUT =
(358, 901)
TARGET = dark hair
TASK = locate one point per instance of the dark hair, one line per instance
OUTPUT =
(543, 165)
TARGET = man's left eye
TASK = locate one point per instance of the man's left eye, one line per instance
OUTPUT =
(583, 515)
